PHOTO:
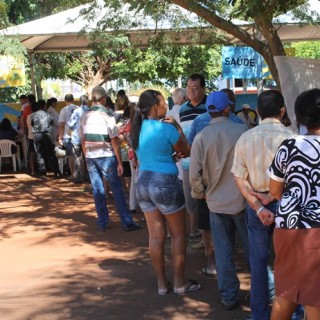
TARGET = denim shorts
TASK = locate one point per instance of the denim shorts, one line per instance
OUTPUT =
(160, 191)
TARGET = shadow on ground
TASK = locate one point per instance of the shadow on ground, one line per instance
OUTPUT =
(56, 265)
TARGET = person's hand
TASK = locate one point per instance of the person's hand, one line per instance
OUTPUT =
(266, 217)
(60, 141)
(265, 198)
(171, 120)
(120, 169)
(179, 156)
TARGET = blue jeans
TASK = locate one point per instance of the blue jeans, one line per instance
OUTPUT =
(262, 280)
(223, 228)
(107, 168)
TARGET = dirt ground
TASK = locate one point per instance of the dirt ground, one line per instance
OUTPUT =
(56, 265)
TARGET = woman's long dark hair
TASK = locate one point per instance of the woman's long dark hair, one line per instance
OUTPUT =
(141, 111)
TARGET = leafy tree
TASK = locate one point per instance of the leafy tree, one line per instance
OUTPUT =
(219, 13)
(310, 49)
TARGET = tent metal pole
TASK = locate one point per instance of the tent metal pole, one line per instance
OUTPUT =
(33, 81)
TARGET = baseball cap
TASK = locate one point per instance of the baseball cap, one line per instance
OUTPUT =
(246, 106)
(98, 93)
(217, 101)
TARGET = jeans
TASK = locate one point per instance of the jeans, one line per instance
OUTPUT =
(107, 168)
(223, 228)
(262, 280)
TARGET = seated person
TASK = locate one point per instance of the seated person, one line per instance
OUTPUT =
(245, 116)
(8, 132)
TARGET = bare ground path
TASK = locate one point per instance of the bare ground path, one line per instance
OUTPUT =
(55, 265)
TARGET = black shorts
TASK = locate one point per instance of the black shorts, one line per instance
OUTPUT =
(126, 169)
(203, 215)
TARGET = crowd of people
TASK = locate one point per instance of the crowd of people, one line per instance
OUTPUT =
(237, 176)
(199, 169)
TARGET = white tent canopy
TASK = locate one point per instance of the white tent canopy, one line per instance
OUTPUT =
(61, 31)
(69, 30)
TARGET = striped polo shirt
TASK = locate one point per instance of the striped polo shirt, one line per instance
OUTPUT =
(98, 126)
(187, 114)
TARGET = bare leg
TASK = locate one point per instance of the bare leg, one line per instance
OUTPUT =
(177, 228)
(33, 162)
(193, 223)
(209, 251)
(157, 233)
(313, 313)
(71, 164)
(282, 309)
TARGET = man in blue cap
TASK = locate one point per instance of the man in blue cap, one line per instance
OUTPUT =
(211, 178)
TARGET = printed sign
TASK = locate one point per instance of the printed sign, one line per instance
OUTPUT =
(241, 63)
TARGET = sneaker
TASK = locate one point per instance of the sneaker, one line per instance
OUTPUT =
(229, 305)
(132, 226)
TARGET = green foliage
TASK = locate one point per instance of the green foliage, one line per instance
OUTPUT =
(10, 95)
(267, 8)
(310, 49)
(20, 11)
(167, 64)
(4, 21)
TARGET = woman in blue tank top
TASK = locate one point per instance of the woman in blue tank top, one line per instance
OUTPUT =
(155, 139)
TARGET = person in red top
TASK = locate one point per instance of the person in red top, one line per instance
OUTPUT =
(26, 111)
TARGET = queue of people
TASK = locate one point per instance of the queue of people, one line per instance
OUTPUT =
(252, 182)
(258, 182)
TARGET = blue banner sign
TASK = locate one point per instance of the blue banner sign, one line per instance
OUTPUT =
(241, 63)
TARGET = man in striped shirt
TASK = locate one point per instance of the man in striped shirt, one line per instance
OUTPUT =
(99, 137)
(253, 155)
(195, 106)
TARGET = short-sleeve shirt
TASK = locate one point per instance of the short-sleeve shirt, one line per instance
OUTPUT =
(187, 114)
(155, 148)
(297, 164)
(202, 121)
(97, 128)
(26, 111)
(41, 122)
(64, 116)
(255, 151)
(74, 123)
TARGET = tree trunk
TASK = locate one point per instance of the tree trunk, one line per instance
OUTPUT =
(268, 49)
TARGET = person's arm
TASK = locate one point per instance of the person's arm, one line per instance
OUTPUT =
(195, 172)
(116, 150)
(265, 215)
(182, 147)
(61, 132)
(276, 188)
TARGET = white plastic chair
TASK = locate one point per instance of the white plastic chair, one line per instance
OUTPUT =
(5, 152)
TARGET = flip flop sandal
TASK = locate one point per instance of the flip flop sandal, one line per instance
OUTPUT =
(193, 285)
(165, 291)
(208, 274)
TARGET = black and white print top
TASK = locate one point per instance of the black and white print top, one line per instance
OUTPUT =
(297, 164)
